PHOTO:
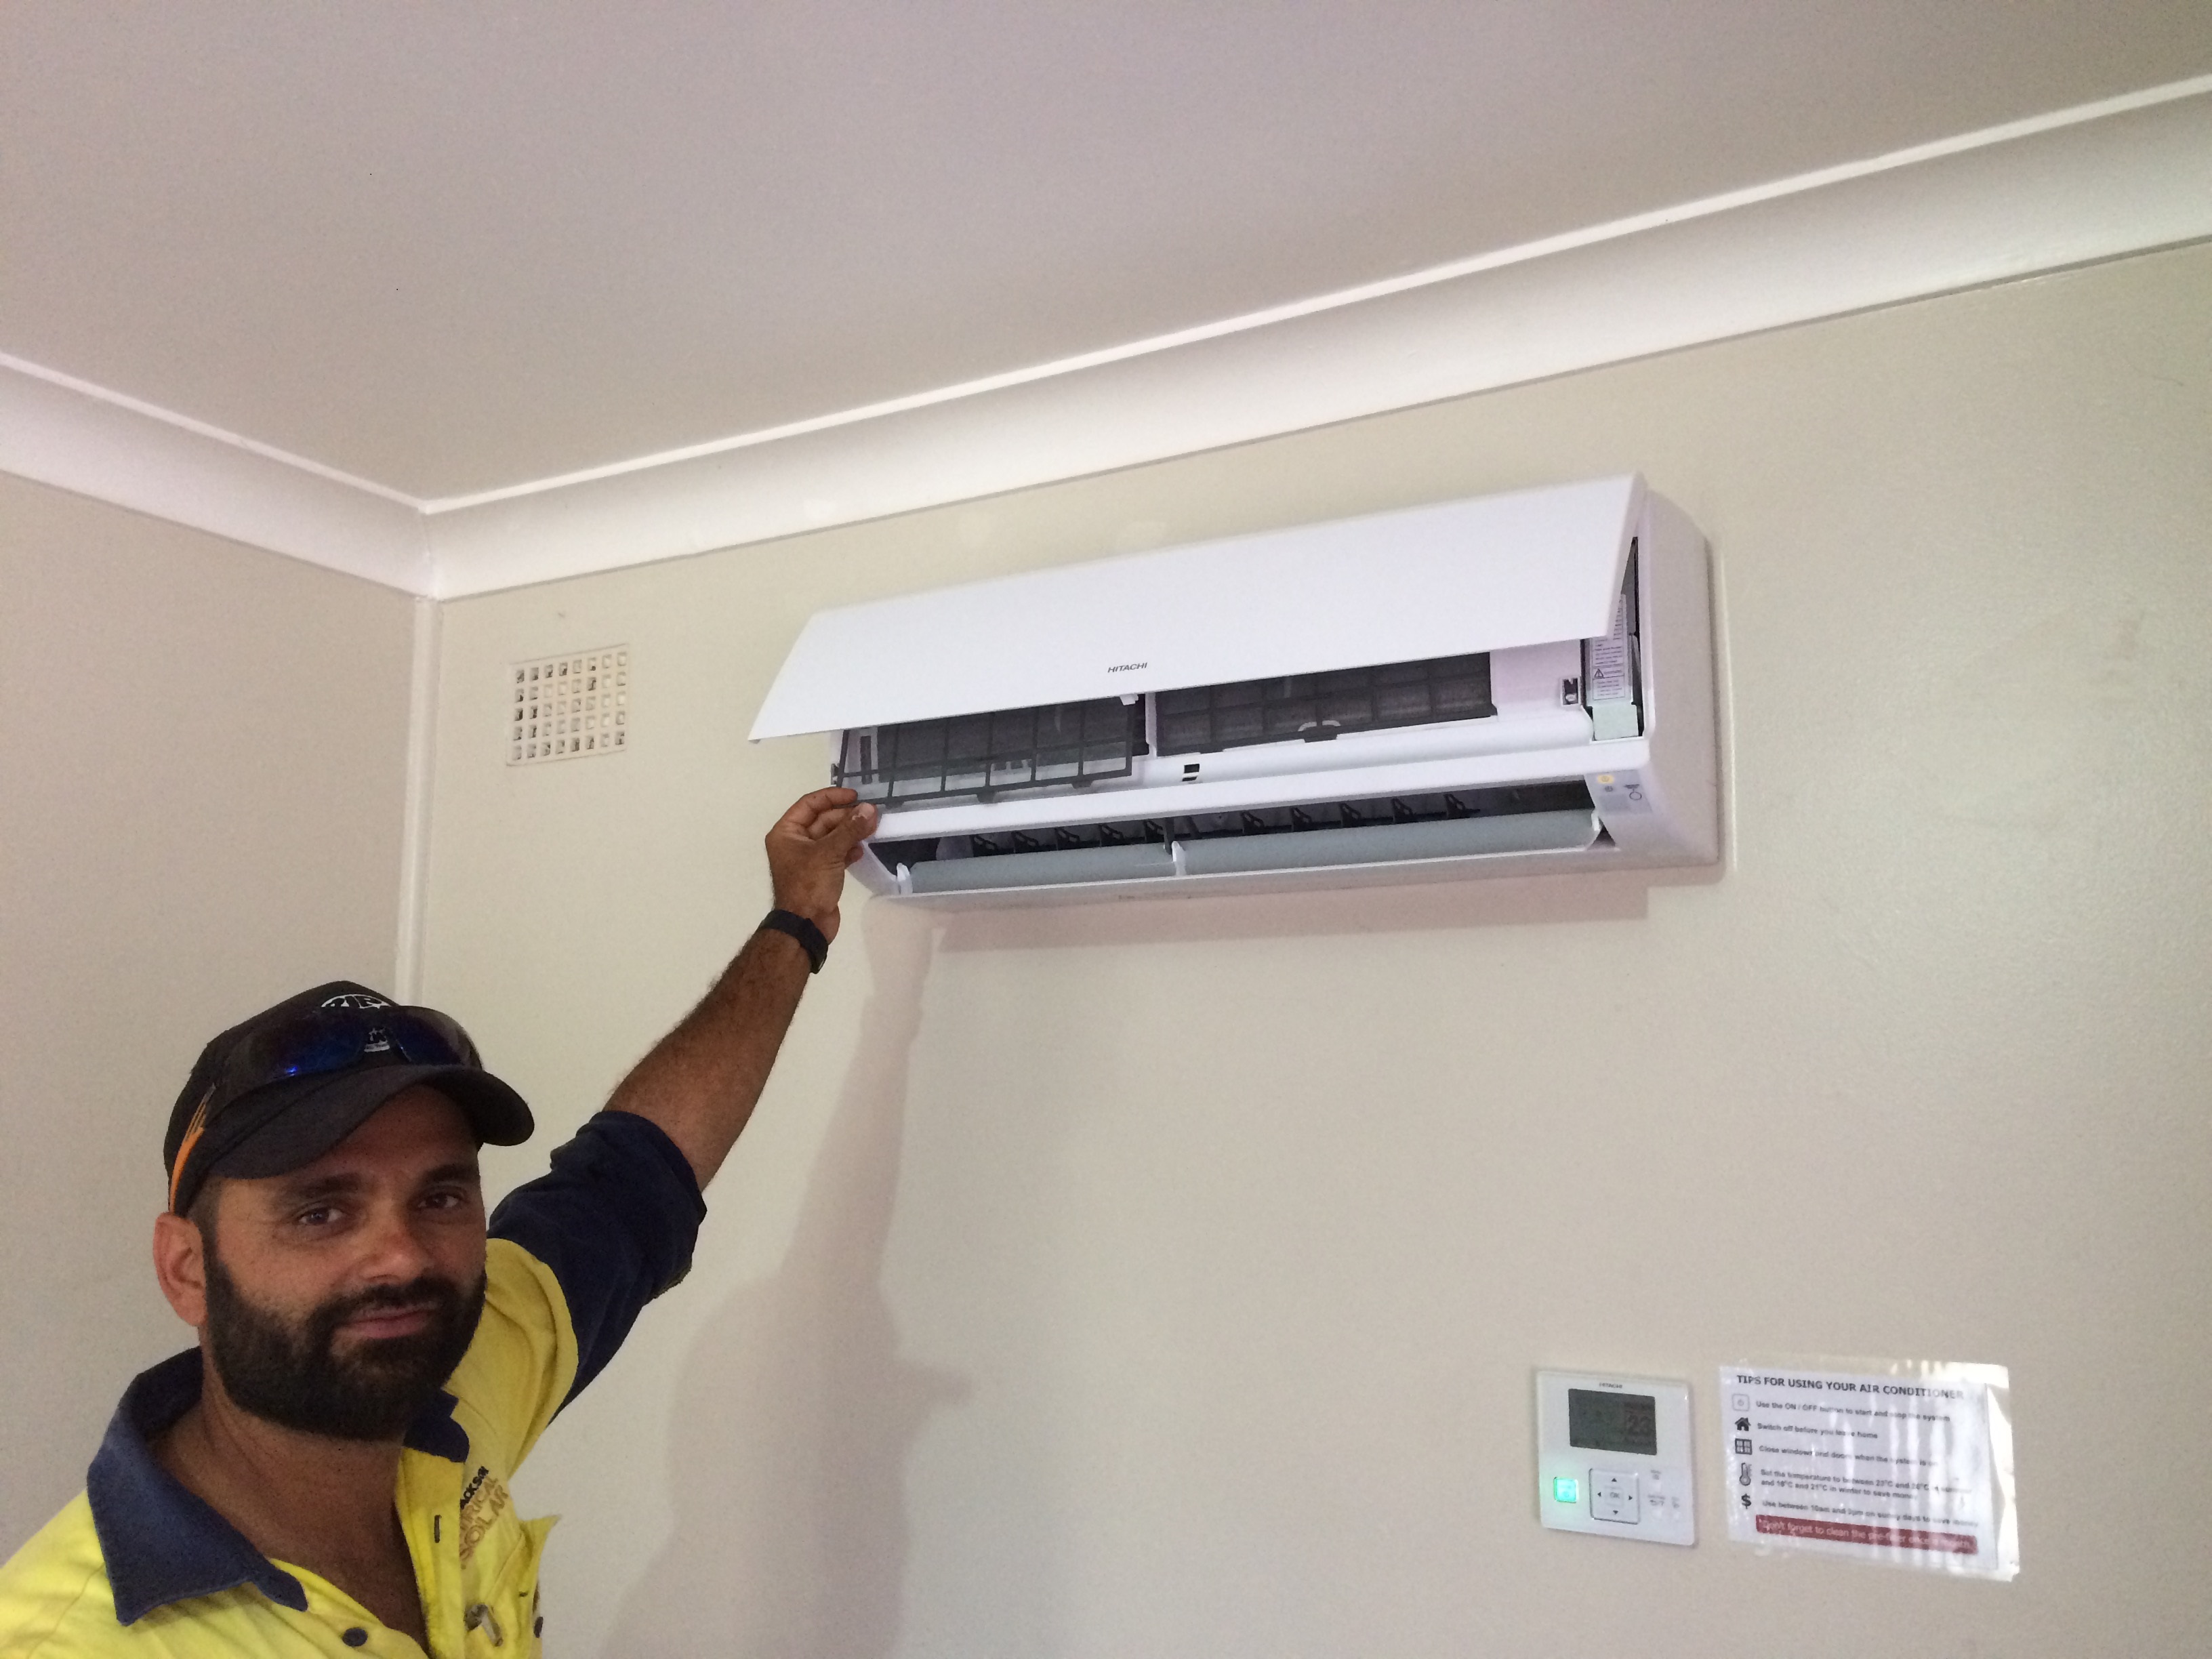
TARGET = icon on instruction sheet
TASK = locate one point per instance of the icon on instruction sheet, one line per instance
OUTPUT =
(1743, 1425)
(1744, 1498)
(1743, 1474)
(1743, 1446)
(1741, 1403)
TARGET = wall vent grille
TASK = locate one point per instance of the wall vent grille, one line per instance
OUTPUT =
(568, 707)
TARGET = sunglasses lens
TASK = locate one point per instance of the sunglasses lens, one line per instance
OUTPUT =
(332, 1040)
(310, 1052)
(429, 1040)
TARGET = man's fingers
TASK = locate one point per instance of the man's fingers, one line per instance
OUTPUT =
(828, 824)
(854, 826)
(808, 807)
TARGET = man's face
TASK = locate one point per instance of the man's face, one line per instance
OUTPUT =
(340, 1297)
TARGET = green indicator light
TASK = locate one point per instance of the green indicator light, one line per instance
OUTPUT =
(1565, 1489)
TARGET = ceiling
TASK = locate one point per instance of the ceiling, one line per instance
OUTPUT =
(458, 249)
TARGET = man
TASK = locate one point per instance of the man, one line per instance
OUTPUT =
(326, 1472)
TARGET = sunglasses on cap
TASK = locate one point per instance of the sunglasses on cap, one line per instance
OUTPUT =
(334, 1039)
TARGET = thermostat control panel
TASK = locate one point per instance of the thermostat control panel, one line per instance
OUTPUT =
(1613, 1456)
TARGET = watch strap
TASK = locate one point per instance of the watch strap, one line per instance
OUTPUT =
(810, 938)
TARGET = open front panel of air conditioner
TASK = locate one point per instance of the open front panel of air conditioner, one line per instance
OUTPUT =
(1421, 583)
(1354, 761)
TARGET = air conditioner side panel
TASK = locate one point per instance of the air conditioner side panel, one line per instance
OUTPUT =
(1677, 821)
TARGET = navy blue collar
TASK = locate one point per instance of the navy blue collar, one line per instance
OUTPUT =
(162, 1543)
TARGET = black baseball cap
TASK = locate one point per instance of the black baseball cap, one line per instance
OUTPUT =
(276, 1092)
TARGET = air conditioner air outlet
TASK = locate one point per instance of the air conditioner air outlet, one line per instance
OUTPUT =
(1555, 815)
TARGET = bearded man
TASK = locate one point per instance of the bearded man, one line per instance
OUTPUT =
(326, 1470)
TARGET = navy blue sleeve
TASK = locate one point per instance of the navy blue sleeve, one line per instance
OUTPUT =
(615, 1218)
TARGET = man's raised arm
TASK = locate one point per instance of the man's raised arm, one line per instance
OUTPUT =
(701, 1081)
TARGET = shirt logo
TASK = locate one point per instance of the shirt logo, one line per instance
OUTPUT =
(482, 1502)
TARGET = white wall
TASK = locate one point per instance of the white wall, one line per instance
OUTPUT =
(200, 814)
(1167, 1278)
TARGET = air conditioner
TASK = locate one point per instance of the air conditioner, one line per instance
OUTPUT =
(1510, 685)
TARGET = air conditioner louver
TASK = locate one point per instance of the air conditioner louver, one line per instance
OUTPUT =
(1322, 835)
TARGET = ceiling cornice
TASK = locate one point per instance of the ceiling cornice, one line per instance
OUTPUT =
(83, 438)
(2124, 176)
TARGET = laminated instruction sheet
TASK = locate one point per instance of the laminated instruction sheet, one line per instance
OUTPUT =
(1909, 1464)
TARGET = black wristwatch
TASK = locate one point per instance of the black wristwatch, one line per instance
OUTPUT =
(810, 937)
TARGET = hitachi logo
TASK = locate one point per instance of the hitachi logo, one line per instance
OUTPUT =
(1125, 667)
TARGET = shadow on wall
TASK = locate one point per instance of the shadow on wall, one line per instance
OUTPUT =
(790, 1538)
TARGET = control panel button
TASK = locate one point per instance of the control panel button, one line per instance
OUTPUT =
(1616, 1495)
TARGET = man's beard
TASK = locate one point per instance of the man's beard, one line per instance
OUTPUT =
(292, 1374)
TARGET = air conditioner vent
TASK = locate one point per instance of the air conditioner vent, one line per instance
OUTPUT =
(568, 707)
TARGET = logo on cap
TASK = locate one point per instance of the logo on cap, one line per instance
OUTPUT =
(357, 999)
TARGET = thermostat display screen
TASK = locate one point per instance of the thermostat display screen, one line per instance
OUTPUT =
(1613, 1422)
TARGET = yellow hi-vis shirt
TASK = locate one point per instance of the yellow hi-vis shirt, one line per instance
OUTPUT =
(137, 1565)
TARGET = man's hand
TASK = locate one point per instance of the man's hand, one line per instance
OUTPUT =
(808, 851)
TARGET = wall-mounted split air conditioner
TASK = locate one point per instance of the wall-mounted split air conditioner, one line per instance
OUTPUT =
(1511, 684)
